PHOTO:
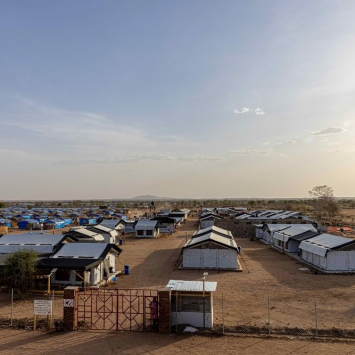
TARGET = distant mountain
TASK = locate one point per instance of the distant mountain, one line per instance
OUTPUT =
(151, 198)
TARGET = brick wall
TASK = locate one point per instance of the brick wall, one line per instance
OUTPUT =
(69, 313)
(164, 311)
(238, 227)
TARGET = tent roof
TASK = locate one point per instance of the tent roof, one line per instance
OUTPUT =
(191, 286)
(322, 243)
(146, 224)
(32, 239)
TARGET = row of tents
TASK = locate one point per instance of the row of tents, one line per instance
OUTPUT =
(326, 252)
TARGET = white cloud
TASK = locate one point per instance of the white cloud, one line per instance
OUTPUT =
(243, 110)
(328, 130)
(258, 111)
(324, 140)
(254, 153)
(333, 143)
(266, 143)
(291, 141)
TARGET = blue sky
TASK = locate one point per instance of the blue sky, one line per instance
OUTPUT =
(176, 98)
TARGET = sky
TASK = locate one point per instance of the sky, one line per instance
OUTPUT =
(190, 98)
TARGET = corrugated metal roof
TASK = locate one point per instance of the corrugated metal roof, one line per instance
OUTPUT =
(31, 238)
(214, 234)
(146, 224)
(81, 250)
(191, 286)
(41, 249)
(322, 243)
(214, 229)
(89, 233)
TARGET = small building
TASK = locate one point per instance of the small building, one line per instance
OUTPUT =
(84, 221)
(109, 234)
(207, 220)
(211, 248)
(192, 303)
(146, 228)
(29, 224)
(128, 227)
(5, 222)
(112, 224)
(267, 231)
(54, 224)
(82, 264)
(84, 235)
(288, 239)
(41, 243)
(329, 253)
(165, 224)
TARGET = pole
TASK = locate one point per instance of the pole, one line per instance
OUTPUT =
(176, 311)
(223, 313)
(316, 316)
(52, 309)
(203, 299)
(12, 305)
(268, 313)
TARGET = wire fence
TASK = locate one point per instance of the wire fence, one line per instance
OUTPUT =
(19, 313)
(260, 314)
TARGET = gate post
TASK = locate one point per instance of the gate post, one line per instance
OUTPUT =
(69, 309)
(164, 311)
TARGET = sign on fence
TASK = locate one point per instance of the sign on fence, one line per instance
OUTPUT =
(42, 307)
(68, 302)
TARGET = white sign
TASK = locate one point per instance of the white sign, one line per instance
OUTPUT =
(42, 307)
(68, 302)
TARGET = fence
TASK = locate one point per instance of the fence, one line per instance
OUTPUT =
(260, 314)
(19, 313)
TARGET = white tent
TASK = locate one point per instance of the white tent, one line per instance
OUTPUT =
(330, 253)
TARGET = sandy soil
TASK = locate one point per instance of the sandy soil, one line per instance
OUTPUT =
(292, 293)
(265, 273)
(126, 343)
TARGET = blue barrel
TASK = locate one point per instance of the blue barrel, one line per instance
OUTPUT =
(120, 242)
(126, 269)
(239, 249)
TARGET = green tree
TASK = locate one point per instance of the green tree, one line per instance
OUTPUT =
(19, 270)
(2, 204)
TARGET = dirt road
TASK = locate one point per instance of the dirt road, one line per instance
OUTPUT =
(14, 342)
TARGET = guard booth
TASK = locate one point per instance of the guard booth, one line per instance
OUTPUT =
(192, 303)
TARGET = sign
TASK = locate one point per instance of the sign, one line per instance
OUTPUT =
(42, 307)
(68, 303)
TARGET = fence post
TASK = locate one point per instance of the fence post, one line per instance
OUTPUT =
(316, 316)
(164, 311)
(223, 313)
(12, 305)
(268, 313)
(69, 310)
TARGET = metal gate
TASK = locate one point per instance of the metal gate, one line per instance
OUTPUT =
(116, 309)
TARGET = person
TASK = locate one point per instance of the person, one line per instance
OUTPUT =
(154, 312)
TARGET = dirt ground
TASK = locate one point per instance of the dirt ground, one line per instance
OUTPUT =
(126, 343)
(292, 293)
(266, 273)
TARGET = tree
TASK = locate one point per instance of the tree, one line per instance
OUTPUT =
(2, 204)
(324, 201)
(19, 269)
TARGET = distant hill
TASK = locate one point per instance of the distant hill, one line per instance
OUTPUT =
(151, 198)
